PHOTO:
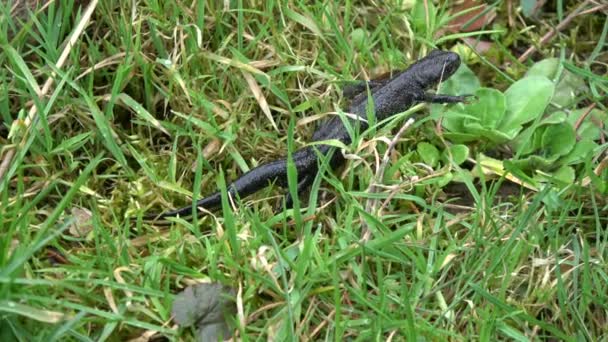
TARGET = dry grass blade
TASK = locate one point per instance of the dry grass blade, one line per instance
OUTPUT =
(232, 62)
(114, 60)
(259, 96)
(45, 316)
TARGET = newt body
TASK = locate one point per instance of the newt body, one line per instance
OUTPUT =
(390, 97)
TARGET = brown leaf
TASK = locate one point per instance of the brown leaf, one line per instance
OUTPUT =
(82, 224)
(209, 151)
(473, 8)
(480, 46)
(206, 306)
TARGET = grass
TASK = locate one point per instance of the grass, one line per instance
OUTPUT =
(159, 104)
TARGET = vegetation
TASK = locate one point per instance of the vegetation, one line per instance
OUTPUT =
(480, 221)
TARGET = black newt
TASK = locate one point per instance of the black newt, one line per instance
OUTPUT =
(390, 97)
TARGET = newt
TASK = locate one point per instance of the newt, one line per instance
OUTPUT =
(390, 96)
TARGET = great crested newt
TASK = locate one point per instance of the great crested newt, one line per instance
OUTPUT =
(391, 96)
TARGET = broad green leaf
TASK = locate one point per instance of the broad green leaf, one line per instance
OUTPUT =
(460, 137)
(581, 150)
(559, 178)
(490, 134)
(568, 89)
(489, 107)
(444, 179)
(453, 122)
(459, 153)
(533, 162)
(453, 119)
(598, 181)
(537, 140)
(534, 134)
(554, 118)
(526, 100)
(546, 67)
(558, 140)
(551, 200)
(565, 174)
(494, 136)
(569, 85)
(549, 143)
(462, 176)
(528, 141)
(428, 153)
(463, 82)
(590, 127)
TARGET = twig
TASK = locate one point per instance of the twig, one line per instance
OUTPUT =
(6, 161)
(595, 9)
(371, 203)
(582, 118)
(549, 35)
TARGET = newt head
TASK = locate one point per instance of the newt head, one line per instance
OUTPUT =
(435, 67)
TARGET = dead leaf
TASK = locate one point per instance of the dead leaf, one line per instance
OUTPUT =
(480, 46)
(55, 256)
(209, 151)
(531, 8)
(447, 260)
(205, 305)
(264, 64)
(82, 224)
(473, 8)
(145, 337)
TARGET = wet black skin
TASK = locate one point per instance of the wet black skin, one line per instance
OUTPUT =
(390, 97)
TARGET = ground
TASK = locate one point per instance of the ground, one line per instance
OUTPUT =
(114, 109)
